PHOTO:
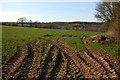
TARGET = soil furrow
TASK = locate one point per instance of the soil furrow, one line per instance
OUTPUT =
(33, 73)
(52, 60)
(113, 62)
(96, 69)
(62, 71)
(44, 52)
(14, 63)
(26, 65)
(72, 68)
(81, 70)
(109, 71)
(53, 63)
(46, 65)
(57, 66)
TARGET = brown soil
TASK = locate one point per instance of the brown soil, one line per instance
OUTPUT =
(58, 62)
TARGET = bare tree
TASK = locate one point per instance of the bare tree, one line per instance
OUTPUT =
(114, 29)
(109, 12)
(22, 20)
(30, 21)
(104, 11)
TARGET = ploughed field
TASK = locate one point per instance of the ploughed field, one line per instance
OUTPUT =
(51, 59)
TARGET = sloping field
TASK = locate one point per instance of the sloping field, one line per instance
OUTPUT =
(39, 54)
(13, 37)
(55, 61)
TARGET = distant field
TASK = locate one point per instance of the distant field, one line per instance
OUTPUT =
(19, 36)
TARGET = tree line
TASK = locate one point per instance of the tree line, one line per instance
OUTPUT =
(24, 22)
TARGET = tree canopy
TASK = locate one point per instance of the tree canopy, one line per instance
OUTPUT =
(22, 20)
(109, 12)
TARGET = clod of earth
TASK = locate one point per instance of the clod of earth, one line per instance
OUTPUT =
(48, 35)
(101, 39)
(70, 35)
(63, 35)
(59, 63)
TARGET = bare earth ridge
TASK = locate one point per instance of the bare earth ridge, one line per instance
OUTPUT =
(58, 62)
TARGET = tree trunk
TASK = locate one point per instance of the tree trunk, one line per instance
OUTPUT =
(114, 29)
(22, 24)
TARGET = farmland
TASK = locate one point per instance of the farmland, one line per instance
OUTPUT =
(36, 53)
(60, 40)
(19, 36)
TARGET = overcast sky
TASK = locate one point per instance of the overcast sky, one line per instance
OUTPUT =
(48, 11)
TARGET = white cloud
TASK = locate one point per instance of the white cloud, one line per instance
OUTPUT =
(12, 16)
(9, 16)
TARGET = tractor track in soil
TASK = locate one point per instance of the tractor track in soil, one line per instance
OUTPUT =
(58, 62)
(9, 67)
(29, 65)
(105, 62)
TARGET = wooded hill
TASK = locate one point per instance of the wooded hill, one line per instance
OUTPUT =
(85, 26)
